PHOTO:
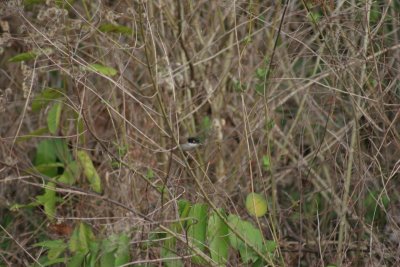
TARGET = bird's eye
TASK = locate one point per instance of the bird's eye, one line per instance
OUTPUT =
(193, 140)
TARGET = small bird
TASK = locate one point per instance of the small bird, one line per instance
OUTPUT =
(192, 143)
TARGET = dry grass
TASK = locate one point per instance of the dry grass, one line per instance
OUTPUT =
(313, 87)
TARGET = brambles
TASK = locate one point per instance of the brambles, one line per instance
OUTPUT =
(298, 102)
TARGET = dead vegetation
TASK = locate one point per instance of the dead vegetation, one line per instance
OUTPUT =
(298, 101)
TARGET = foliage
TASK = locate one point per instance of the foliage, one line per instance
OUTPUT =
(295, 104)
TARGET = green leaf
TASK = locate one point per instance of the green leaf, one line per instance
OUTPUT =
(253, 236)
(48, 200)
(108, 27)
(46, 154)
(261, 73)
(314, 16)
(108, 248)
(150, 174)
(46, 168)
(51, 243)
(45, 261)
(239, 87)
(62, 151)
(81, 238)
(49, 153)
(270, 246)
(70, 174)
(105, 70)
(197, 227)
(115, 250)
(107, 259)
(47, 95)
(91, 257)
(77, 260)
(167, 254)
(122, 255)
(168, 250)
(56, 248)
(16, 207)
(53, 118)
(183, 208)
(266, 163)
(217, 236)
(23, 57)
(89, 171)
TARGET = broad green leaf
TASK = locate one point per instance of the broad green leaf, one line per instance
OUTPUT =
(23, 57)
(70, 174)
(107, 259)
(261, 73)
(49, 153)
(54, 253)
(167, 255)
(46, 154)
(51, 243)
(169, 247)
(47, 95)
(50, 167)
(92, 256)
(16, 207)
(183, 208)
(115, 250)
(62, 151)
(122, 255)
(45, 261)
(48, 200)
(77, 260)
(89, 171)
(108, 27)
(270, 246)
(197, 227)
(53, 118)
(107, 71)
(81, 238)
(218, 240)
(108, 248)
(253, 236)
(168, 250)
(256, 204)
(52, 151)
